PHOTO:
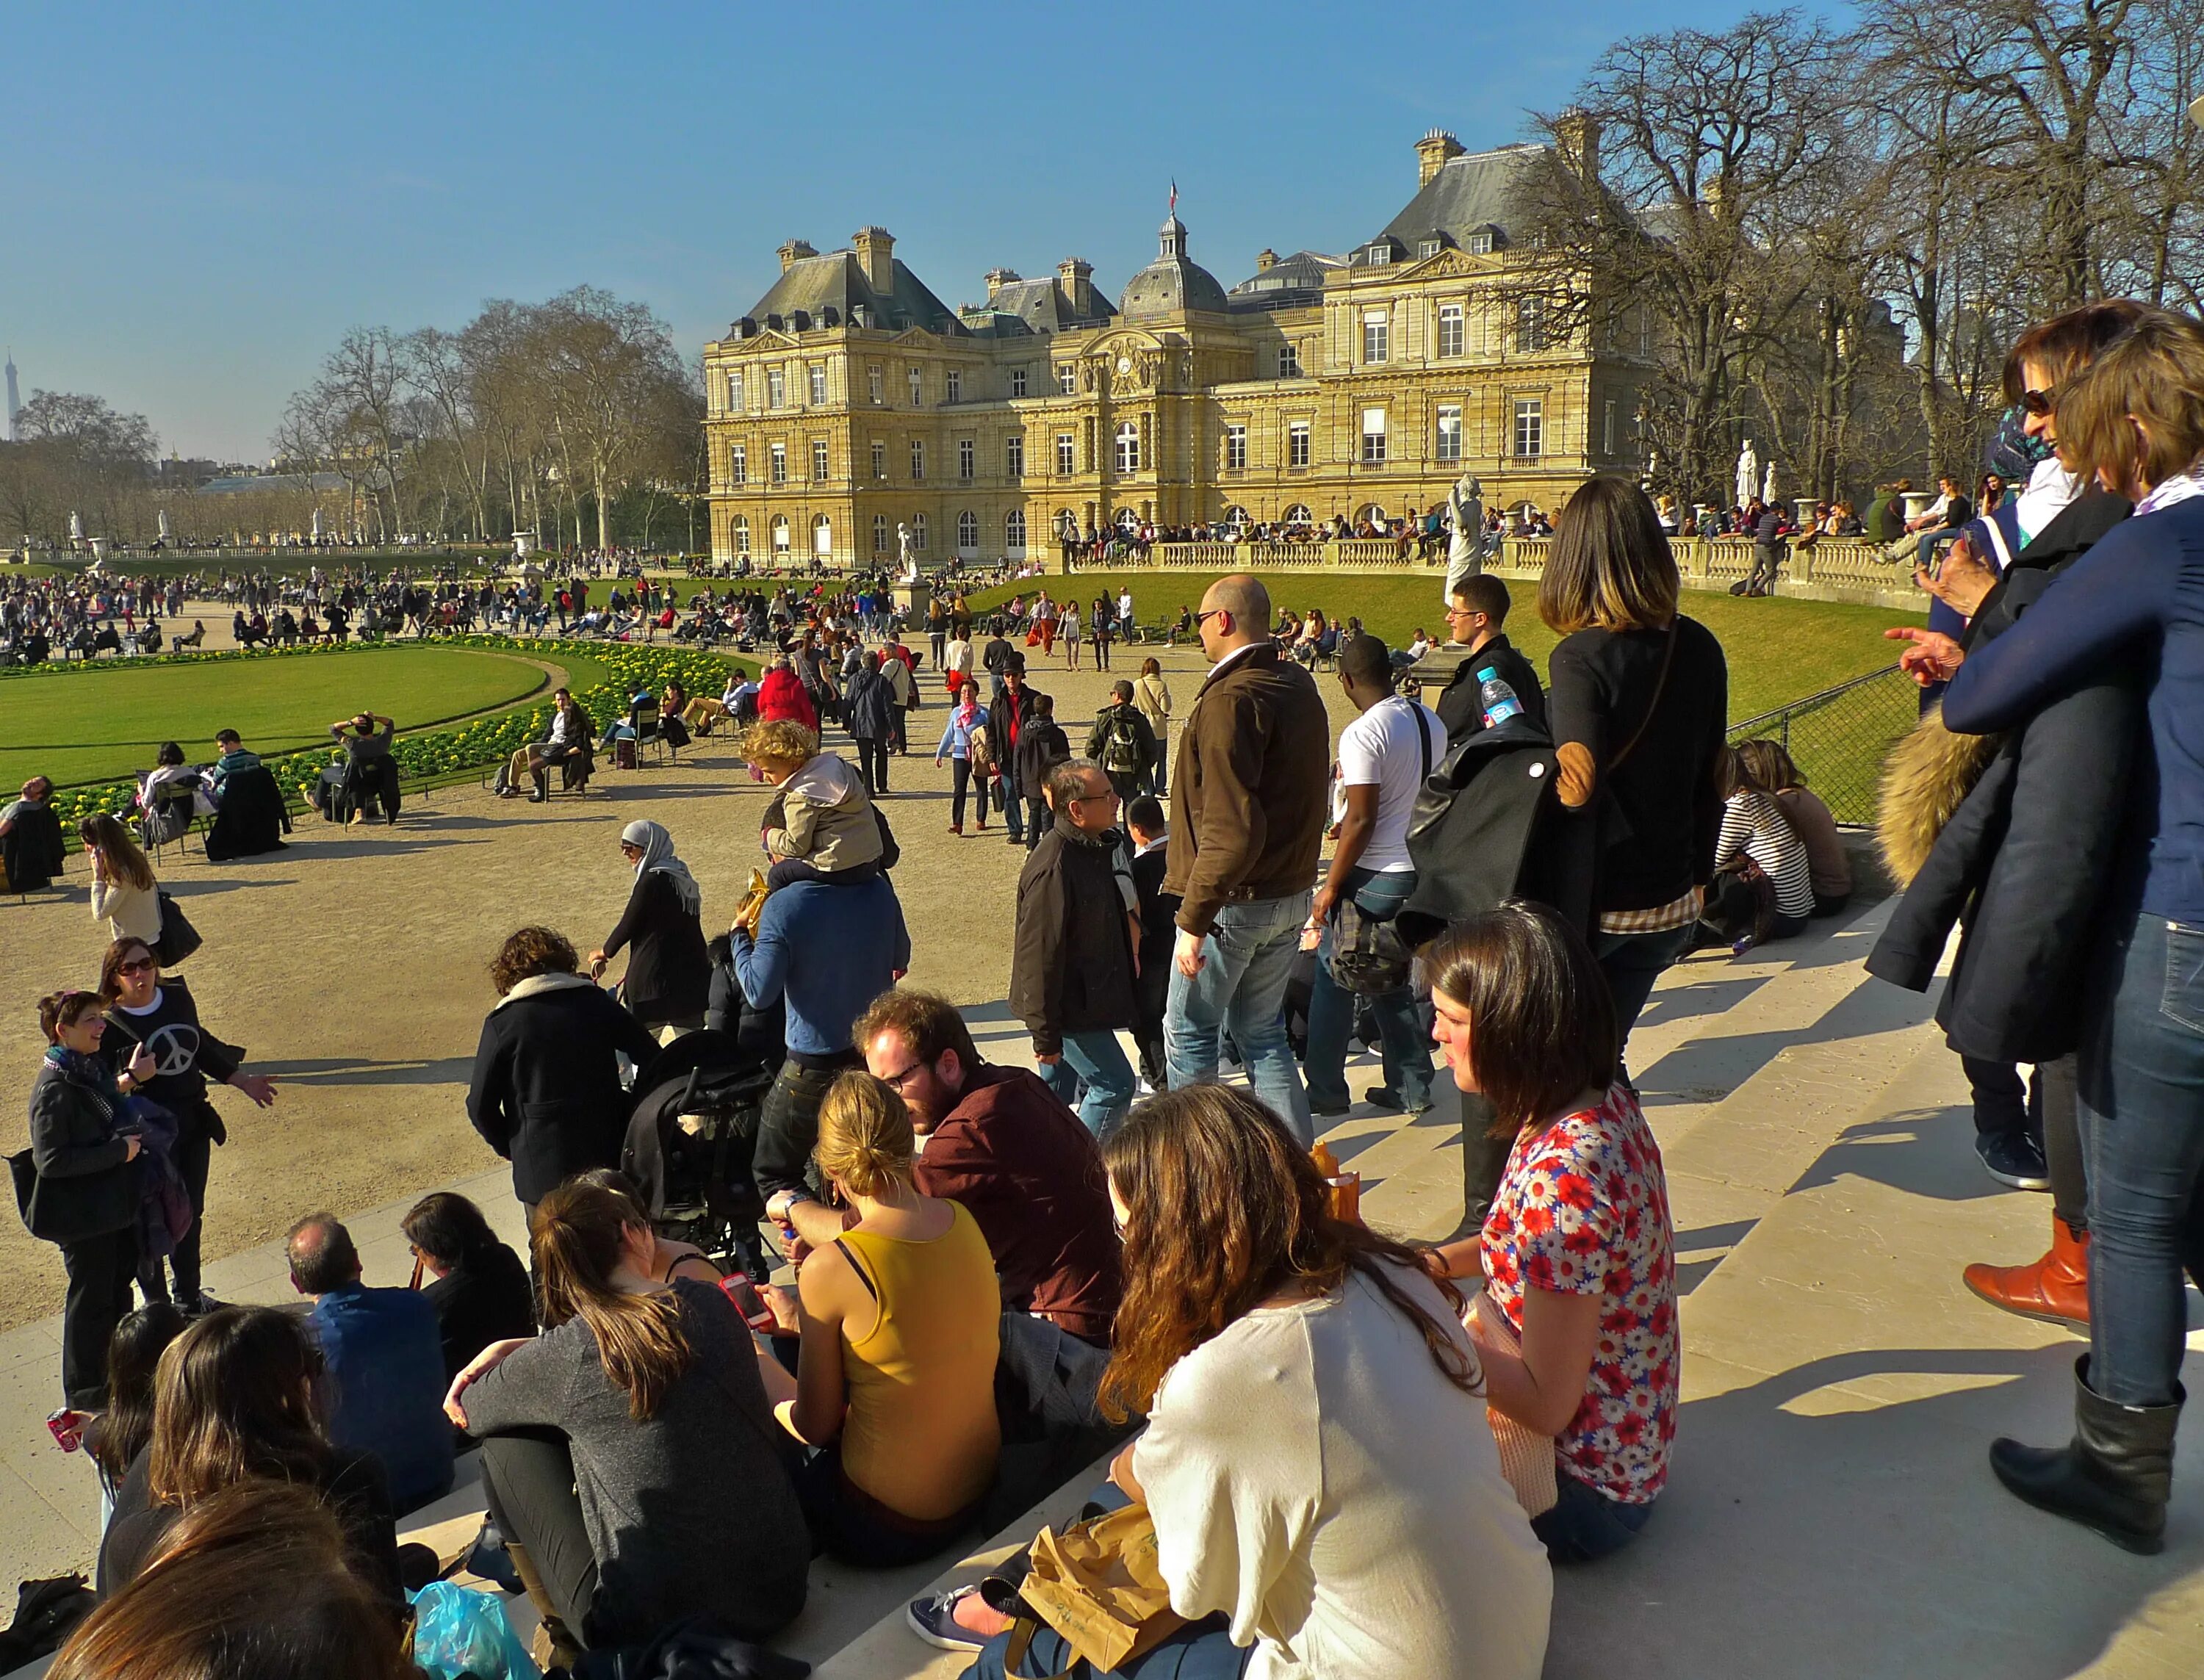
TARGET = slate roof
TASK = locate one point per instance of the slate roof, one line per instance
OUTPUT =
(1468, 194)
(837, 281)
(1024, 306)
(1286, 283)
(1173, 281)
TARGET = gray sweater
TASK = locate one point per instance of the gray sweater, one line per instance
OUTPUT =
(691, 1510)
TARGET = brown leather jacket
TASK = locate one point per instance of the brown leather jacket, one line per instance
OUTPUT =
(1249, 793)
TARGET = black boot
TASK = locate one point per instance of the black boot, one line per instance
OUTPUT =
(2115, 1477)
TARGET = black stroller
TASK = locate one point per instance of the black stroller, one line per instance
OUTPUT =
(689, 1142)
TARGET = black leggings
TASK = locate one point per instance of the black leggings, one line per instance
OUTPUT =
(960, 781)
(528, 1481)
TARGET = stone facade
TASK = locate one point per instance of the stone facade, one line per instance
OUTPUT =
(850, 401)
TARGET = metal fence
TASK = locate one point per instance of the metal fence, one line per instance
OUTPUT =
(1840, 737)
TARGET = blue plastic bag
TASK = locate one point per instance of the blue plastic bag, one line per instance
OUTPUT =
(459, 1632)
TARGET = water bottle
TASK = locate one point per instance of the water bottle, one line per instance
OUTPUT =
(1500, 701)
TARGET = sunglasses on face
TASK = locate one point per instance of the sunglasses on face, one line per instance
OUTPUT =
(140, 964)
(2037, 403)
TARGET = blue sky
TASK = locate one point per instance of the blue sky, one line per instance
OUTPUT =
(196, 201)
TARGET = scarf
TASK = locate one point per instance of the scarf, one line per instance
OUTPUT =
(658, 854)
(2181, 486)
(90, 1070)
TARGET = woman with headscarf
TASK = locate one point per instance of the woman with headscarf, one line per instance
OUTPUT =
(669, 973)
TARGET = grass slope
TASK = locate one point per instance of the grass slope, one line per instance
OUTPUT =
(84, 726)
(1778, 650)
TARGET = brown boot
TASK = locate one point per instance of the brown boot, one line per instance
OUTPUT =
(553, 1646)
(2054, 1289)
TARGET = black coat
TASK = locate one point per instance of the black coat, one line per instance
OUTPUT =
(1461, 708)
(2025, 860)
(999, 726)
(870, 706)
(31, 851)
(1071, 962)
(253, 818)
(86, 1185)
(486, 1298)
(1488, 825)
(669, 973)
(545, 1092)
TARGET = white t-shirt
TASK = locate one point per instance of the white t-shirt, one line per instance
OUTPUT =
(1381, 748)
(1315, 1477)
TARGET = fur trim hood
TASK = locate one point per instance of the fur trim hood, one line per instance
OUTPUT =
(1928, 775)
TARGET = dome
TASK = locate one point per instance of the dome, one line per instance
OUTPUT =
(1172, 281)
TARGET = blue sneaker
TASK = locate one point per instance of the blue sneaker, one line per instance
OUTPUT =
(934, 1619)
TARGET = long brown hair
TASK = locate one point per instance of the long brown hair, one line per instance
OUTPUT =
(576, 1234)
(1223, 1209)
(1611, 565)
(234, 1398)
(254, 1580)
(122, 852)
(111, 966)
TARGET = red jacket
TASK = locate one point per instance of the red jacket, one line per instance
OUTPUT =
(780, 695)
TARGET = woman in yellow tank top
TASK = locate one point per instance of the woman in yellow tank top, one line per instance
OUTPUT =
(896, 1374)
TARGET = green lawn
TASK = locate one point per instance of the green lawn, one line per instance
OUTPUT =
(1778, 650)
(84, 726)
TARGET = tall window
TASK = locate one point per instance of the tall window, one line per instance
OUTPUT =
(968, 532)
(1128, 447)
(1607, 430)
(1064, 466)
(1376, 336)
(1067, 379)
(1449, 432)
(819, 460)
(735, 391)
(1297, 444)
(917, 461)
(822, 536)
(1014, 456)
(965, 459)
(1373, 436)
(739, 465)
(818, 385)
(1014, 530)
(738, 534)
(918, 532)
(1236, 448)
(1450, 332)
(880, 543)
(780, 533)
(1290, 360)
(781, 463)
(873, 383)
(917, 387)
(1018, 385)
(879, 460)
(1530, 426)
(776, 387)
(1298, 514)
(1530, 326)
(955, 377)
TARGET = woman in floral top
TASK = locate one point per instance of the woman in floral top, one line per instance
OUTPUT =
(1577, 1255)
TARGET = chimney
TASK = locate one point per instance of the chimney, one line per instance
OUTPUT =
(794, 251)
(1076, 275)
(1432, 152)
(999, 278)
(1577, 131)
(876, 252)
(1265, 260)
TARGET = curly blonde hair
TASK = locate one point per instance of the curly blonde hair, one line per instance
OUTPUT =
(779, 741)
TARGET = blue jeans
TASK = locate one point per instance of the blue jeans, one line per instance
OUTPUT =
(2142, 1138)
(1406, 1046)
(1242, 986)
(1632, 962)
(1585, 1524)
(1096, 1061)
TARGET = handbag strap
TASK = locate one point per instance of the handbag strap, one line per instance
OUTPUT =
(1424, 737)
(1660, 688)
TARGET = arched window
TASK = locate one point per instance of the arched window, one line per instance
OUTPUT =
(1128, 447)
(882, 536)
(1237, 515)
(918, 533)
(968, 532)
(1298, 514)
(1127, 521)
(1065, 521)
(738, 534)
(822, 536)
(1014, 530)
(780, 533)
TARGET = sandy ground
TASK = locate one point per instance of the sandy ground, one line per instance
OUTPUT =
(353, 966)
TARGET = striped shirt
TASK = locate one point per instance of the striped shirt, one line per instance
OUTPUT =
(1753, 823)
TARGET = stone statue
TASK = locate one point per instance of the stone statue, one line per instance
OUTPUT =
(905, 559)
(76, 527)
(1748, 473)
(1466, 545)
(1768, 484)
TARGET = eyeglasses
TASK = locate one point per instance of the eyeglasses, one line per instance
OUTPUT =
(136, 966)
(895, 1082)
(1209, 612)
(2037, 403)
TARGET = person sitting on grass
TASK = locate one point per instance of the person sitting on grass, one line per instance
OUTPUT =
(826, 830)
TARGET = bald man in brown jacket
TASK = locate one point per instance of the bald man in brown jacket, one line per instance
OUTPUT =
(1248, 800)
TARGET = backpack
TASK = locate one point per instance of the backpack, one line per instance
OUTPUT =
(1121, 744)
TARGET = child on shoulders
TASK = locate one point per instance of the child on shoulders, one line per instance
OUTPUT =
(823, 826)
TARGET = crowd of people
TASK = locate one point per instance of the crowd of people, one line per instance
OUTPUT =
(1347, 1454)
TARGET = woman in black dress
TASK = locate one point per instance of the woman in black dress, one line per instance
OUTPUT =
(669, 973)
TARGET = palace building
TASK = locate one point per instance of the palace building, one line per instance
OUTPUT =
(851, 401)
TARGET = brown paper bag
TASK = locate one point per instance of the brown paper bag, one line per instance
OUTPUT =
(1099, 1586)
(1526, 1457)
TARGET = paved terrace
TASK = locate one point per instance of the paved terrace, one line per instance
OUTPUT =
(1831, 1512)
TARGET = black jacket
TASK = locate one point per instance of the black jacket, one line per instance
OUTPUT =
(2025, 859)
(31, 851)
(1487, 825)
(669, 973)
(484, 1298)
(1461, 708)
(87, 1186)
(253, 818)
(545, 1092)
(1041, 746)
(1158, 918)
(1071, 964)
(870, 706)
(999, 724)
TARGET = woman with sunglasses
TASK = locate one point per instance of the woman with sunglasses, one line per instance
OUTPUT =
(157, 1019)
(87, 1199)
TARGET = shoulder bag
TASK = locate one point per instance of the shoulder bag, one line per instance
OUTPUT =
(179, 939)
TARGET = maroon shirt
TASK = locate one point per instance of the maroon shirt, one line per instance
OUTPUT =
(1031, 1175)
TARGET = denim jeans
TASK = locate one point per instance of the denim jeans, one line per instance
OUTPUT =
(1242, 986)
(1096, 1061)
(1585, 1524)
(2142, 1138)
(1037, 821)
(1406, 1046)
(1632, 962)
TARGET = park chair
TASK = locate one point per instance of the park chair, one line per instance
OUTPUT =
(172, 801)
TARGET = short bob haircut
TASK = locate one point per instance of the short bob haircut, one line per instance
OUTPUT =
(1541, 1023)
(2067, 343)
(1611, 567)
(528, 952)
(2154, 377)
